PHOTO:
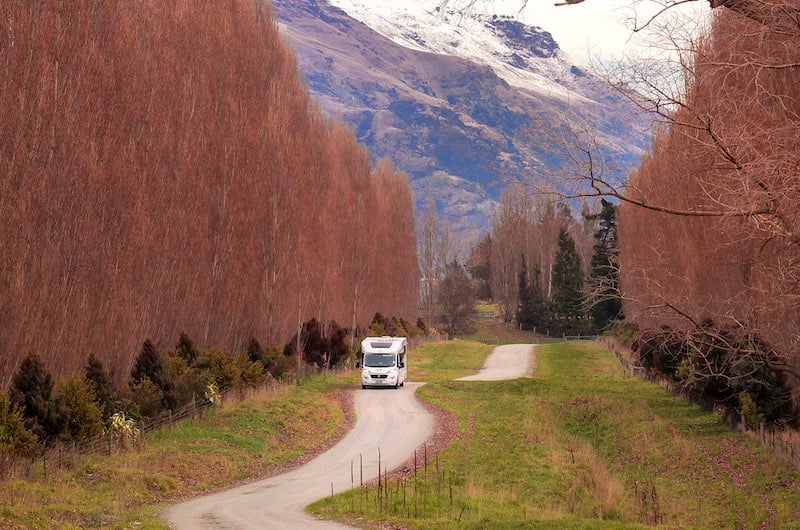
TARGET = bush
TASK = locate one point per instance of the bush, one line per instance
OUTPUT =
(147, 397)
(85, 417)
(149, 366)
(729, 364)
(15, 438)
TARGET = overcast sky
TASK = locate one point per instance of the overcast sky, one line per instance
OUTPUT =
(593, 27)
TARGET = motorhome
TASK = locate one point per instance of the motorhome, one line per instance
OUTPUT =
(384, 362)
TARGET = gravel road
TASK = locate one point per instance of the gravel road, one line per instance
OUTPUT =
(387, 418)
(506, 362)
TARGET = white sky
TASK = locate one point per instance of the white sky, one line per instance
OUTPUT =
(596, 28)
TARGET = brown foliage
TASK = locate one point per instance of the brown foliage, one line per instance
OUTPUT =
(163, 170)
(730, 150)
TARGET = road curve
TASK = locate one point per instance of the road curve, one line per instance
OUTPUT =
(506, 362)
(387, 418)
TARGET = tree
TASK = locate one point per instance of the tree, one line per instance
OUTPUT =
(604, 279)
(525, 317)
(101, 386)
(255, 353)
(32, 392)
(479, 266)
(568, 298)
(186, 349)
(149, 366)
(85, 419)
(456, 299)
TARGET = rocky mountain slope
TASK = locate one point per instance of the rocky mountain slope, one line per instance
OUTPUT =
(464, 104)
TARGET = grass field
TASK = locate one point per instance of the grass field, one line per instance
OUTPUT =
(229, 444)
(580, 446)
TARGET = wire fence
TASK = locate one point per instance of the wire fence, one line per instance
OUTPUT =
(781, 442)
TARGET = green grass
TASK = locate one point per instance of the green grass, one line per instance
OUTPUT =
(581, 446)
(229, 444)
(439, 361)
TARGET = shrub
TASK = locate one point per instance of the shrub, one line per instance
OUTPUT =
(15, 438)
(147, 397)
(85, 419)
(275, 362)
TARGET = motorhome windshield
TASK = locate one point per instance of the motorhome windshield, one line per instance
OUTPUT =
(379, 360)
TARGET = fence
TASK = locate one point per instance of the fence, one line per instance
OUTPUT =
(784, 443)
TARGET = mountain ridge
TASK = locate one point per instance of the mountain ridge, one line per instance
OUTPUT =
(453, 123)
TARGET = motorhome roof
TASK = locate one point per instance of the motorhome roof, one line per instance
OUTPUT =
(383, 344)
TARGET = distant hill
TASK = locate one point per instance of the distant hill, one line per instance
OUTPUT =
(461, 103)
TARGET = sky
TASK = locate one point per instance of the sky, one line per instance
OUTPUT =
(594, 28)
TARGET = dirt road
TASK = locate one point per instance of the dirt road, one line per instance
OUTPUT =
(506, 362)
(387, 418)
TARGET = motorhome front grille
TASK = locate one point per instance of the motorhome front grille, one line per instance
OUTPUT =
(381, 376)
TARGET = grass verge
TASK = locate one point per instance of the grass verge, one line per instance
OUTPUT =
(230, 444)
(580, 446)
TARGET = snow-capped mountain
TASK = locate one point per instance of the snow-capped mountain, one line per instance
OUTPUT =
(463, 103)
(525, 56)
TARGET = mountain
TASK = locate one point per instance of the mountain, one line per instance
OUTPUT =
(463, 103)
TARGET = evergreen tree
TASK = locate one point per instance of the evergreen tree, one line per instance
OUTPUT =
(149, 365)
(525, 318)
(605, 273)
(186, 349)
(255, 353)
(31, 391)
(337, 338)
(568, 298)
(100, 384)
(539, 315)
(479, 265)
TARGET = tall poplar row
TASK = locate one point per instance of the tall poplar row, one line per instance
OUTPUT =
(163, 170)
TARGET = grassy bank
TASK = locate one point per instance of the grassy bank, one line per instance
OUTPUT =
(230, 444)
(581, 446)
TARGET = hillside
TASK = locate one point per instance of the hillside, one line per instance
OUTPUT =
(462, 104)
(165, 171)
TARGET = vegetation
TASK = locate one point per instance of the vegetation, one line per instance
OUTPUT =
(456, 297)
(581, 446)
(156, 182)
(606, 305)
(230, 443)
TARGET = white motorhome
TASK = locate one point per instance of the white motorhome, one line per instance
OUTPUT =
(384, 362)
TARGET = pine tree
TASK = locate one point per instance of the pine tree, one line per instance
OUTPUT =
(32, 391)
(100, 384)
(605, 273)
(186, 349)
(568, 298)
(150, 366)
